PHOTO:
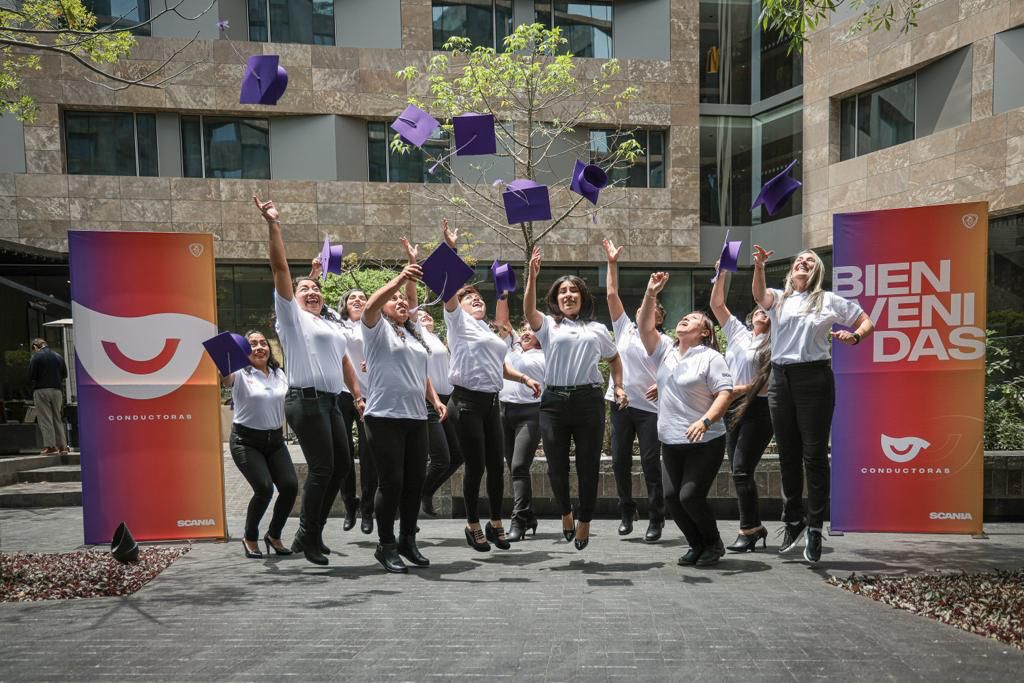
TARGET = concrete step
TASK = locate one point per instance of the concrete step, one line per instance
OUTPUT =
(41, 495)
(57, 473)
(11, 465)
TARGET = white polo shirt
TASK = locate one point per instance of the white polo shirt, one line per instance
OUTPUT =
(687, 386)
(352, 331)
(259, 398)
(572, 350)
(802, 336)
(438, 365)
(397, 367)
(639, 372)
(477, 352)
(313, 347)
(530, 363)
(741, 352)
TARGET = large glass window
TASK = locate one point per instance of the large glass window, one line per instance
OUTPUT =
(780, 68)
(725, 38)
(649, 169)
(726, 160)
(292, 21)
(485, 22)
(586, 25)
(1006, 287)
(877, 119)
(223, 147)
(110, 143)
(386, 166)
(779, 136)
(120, 14)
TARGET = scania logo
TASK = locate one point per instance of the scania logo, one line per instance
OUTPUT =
(196, 522)
(902, 449)
(950, 515)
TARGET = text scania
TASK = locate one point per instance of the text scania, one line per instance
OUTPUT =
(196, 522)
(950, 515)
(915, 311)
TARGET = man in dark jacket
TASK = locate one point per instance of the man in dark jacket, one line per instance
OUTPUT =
(48, 371)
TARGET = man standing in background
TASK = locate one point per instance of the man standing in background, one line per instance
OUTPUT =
(48, 372)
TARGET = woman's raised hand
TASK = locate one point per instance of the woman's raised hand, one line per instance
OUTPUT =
(315, 268)
(412, 272)
(761, 256)
(610, 250)
(535, 260)
(267, 208)
(411, 250)
(657, 282)
(451, 235)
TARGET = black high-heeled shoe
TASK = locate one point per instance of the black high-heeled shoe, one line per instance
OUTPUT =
(475, 540)
(518, 532)
(747, 543)
(496, 535)
(252, 554)
(270, 544)
(581, 543)
(570, 533)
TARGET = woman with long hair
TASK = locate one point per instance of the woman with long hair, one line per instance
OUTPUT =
(318, 370)
(396, 417)
(748, 355)
(802, 390)
(572, 406)
(257, 444)
(694, 388)
(639, 420)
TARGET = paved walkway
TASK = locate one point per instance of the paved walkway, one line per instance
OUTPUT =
(620, 610)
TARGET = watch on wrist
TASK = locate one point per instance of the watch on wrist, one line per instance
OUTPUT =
(707, 423)
(856, 339)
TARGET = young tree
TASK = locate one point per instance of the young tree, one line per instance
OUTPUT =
(539, 97)
(794, 19)
(67, 27)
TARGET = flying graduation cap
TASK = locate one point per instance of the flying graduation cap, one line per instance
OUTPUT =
(777, 191)
(526, 200)
(504, 278)
(415, 125)
(264, 81)
(330, 258)
(444, 272)
(474, 134)
(229, 352)
(588, 180)
(730, 256)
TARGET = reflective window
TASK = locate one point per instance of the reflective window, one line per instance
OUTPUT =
(649, 169)
(485, 22)
(292, 21)
(386, 166)
(586, 25)
(1006, 287)
(726, 160)
(780, 70)
(120, 14)
(225, 147)
(110, 143)
(779, 136)
(726, 27)
(877, 119)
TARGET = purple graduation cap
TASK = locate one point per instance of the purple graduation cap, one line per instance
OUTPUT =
(474, 134)
(415, 125)
(588, 180)
(330, 258)
(775, 192)
(526, 200)
(504, 278)
(229, 351)
(264, 80)
(730, 256)
(444, 272)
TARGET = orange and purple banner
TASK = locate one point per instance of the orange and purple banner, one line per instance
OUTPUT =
(907, 436)
(149, 419)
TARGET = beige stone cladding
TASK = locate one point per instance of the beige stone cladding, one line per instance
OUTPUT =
(980, 160)
(37, 208)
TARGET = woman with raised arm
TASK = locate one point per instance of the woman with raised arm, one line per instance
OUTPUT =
(572, 407)
(748, 355)
(802, 390)
(694, 387)
(396, 417)
(520, 418)
(257, 444)
(639, 420)
(477, 371)
(318, 369)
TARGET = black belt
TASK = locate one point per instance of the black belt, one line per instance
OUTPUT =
(242, 430)
(307, 392)
(472, 392)
(783, 367)
(574, 387)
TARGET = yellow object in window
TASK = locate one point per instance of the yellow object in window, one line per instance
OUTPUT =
(712, 59)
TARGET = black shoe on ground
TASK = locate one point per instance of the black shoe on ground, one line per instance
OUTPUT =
(407, 549)
(690, 557)
(711, 555)
(812, 545)
(794, 531)
(308, 543)
(387, 555)
(653, 534)
(626, 526)
(427, 507)
(366, 526)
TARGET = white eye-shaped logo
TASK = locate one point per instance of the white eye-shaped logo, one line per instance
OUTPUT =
(902, 449)
(140, 358)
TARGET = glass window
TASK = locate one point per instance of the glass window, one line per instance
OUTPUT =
(586, 25)
(485, 22)
(120, 14)
(726, 160)
(878, 119)
(725, 40)
(779, 135)
(110, 143)
(292, 21)
(1006, 286)
(223, 147)
(649, 169)
(413, 167)
(780, 70)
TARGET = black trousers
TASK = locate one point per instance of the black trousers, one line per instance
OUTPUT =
(745, 444)
(444, 456)
(627, 425)
(521, 424)
(318, 424)
(262, 457)
(575, 417)
(477, 419)
(690, 470)
(367, 472)
(802, 397)
(399, 448)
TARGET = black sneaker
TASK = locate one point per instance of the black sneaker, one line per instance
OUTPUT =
(793, 532)
(812, 545)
